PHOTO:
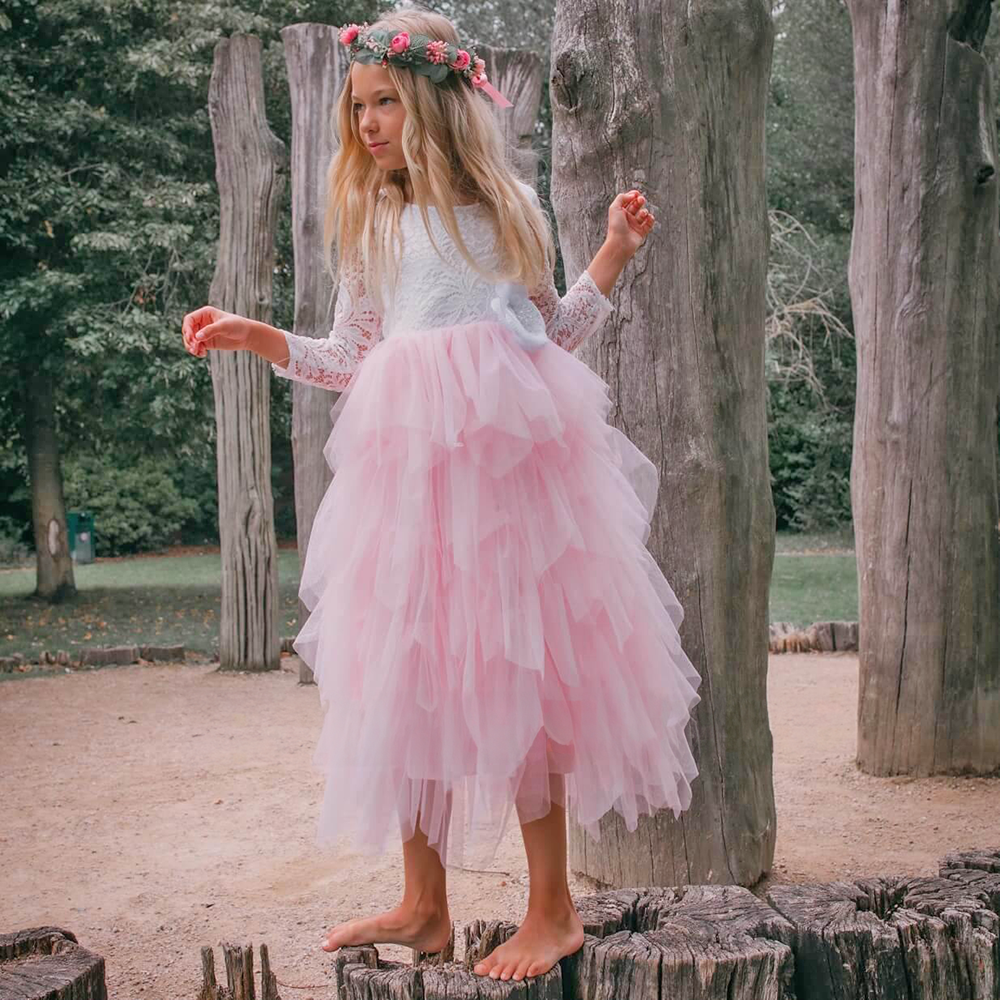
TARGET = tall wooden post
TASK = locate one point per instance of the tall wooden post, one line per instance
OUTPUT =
(316, 73)
(250, 164)
(923, 279)
(670, 98)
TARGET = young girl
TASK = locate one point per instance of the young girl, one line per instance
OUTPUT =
(487, 628)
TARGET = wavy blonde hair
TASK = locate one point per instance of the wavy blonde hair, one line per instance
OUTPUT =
(453, 147)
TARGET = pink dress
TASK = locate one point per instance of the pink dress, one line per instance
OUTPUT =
(487, 629)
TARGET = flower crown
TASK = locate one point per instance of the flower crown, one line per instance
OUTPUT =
(430, 57)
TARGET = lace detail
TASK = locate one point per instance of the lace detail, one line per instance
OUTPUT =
(574, 317)
(441, 289)
(357, 327)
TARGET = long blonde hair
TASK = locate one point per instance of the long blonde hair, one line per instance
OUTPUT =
(453, 147)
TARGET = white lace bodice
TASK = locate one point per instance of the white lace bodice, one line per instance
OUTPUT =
(433, 292)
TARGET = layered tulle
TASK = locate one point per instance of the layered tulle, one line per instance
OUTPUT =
(484, 612)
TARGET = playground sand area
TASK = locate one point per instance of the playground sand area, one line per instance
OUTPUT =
(152, 810)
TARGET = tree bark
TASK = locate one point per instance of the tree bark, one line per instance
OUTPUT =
(250, 164)
(671, 99)
(923, 282)
(517, 74)
(316, 73)
(54, 580)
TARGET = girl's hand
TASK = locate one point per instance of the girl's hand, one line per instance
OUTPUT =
(629, 222)
(210, 328)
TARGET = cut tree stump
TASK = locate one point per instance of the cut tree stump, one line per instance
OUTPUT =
(239, 974)
(699, 942)
(894, 937)
(49, 962)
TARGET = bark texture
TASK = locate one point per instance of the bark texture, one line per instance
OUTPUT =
(316, 73)
(923, 281)
(250, 165)
(671, 99)
(48, 963)
(517, 74)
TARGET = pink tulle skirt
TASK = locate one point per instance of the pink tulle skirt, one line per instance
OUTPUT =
(487, 630)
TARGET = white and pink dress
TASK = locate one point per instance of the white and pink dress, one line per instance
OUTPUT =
(484, 612)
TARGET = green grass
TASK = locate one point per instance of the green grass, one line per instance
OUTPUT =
(176, 599)
(161, 600)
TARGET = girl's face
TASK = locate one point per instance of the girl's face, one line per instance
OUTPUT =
(379, 113)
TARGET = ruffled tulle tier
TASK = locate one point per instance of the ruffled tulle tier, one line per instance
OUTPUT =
(488, 631)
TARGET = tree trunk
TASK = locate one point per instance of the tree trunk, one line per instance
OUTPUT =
(517, 74)
(54, 579)
(250, 163)
(923, 281)
(678, 111)
(316, 72)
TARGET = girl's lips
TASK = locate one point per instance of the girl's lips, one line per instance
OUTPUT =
(375, 148)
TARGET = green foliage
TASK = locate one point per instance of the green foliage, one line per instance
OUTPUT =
(13, 550)
(810, 458)
(136, 507)
(810, 115)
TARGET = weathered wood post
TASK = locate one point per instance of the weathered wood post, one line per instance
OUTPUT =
(316, 73)
(923, 281)
(517, 74)
(250, 164)
(670, 98)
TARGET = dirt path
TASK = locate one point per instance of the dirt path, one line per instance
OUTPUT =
(153, 810)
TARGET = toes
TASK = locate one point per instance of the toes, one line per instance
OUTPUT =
(522, 969)
(485, 967)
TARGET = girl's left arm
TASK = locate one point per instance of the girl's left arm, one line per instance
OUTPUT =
(584, 308)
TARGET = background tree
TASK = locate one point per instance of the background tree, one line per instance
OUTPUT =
(923, 277)
(684, 354)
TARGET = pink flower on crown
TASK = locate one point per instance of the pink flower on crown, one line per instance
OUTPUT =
(461, 60)
(349, 34)
(401, 42)
(437, 51)
(478, 65)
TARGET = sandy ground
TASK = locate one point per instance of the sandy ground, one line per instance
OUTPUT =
(153, 810)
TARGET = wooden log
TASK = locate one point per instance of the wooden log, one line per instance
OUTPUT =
(239, 971)
(171, 654)
(845, 635)
(109, 654)
(49, 963)
(366, 955)
(268, 980)
(482, 936)
(705, 942)
(684, 357)
(977, 871)
(456, 982)
(317, 68)
(517, 74)
(894, 938)
(924, 293)
(250, 167)
(380, 980)
(820, 636)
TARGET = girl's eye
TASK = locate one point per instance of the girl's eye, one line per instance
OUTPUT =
(356, 106)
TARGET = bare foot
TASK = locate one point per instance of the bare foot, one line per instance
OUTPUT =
(425, 929)
(539, 943)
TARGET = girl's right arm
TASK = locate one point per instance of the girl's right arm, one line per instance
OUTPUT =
(327, 362)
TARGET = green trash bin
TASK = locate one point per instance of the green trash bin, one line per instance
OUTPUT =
(80, 535)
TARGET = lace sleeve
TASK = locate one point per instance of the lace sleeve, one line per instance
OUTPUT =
(579, 313)
(332, 362)
(574, 317)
